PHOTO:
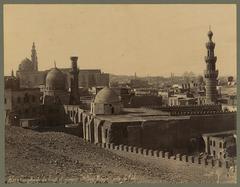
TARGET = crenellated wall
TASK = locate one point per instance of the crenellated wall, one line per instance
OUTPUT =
(167, 156)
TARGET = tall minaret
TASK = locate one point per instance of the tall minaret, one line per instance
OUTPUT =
(74, 95)
(34, 57)
(211, 73)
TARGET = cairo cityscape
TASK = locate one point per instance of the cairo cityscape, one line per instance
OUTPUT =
(120, 98)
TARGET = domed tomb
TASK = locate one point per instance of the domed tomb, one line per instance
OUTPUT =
(55, 80)
(106, 95)
(26, 65)
(106, 102)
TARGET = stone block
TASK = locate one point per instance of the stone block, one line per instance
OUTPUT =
(104, 145)
(125, 148)
(185, 158)
(108, 146)
(161, 154)
(116, 147)
(130, 148)
(197, 160)
(191, 159)
(167, 155)
(135, 149)
(150, 152)
(140, 150)
(179, 157)
(145, 152)
(173, 157)
(121, 147)
(156, 153)
(112, 145)
(204, 161)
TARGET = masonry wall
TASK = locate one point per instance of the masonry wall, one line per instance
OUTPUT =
(161, 155)
(175, 135)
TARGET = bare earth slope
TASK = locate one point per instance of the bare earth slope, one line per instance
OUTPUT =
(34, 157)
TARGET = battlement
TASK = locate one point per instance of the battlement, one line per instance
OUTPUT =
(180, 113)
(191, 108)
(168, 156)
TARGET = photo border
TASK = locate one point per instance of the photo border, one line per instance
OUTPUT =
(2, 126)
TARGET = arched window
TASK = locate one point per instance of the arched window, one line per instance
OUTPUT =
(5, 100)
(220, 144)
(26, 98)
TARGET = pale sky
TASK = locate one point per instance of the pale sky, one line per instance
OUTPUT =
(121, 39)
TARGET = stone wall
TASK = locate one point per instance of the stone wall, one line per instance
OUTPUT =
(168, 157)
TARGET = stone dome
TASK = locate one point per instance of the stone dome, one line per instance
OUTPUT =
(107, 96)
(26, 65)
(210, 33)
(55, 80)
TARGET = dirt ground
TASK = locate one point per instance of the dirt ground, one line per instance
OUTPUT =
(57, 157)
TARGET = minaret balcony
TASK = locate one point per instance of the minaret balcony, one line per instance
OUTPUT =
(211, 59)
(210, 45)
(211, 73)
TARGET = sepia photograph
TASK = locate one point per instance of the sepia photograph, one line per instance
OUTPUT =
(120, 93)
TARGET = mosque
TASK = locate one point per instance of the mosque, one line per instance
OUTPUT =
(58, 103)
(31, 77)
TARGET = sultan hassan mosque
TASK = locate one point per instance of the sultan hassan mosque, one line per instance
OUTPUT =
(51, 97)
(31, 77)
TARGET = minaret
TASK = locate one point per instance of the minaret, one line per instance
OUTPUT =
(211, 73)
(34, 57)
(74, 95)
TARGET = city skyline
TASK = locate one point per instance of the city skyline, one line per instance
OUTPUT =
(135, 44)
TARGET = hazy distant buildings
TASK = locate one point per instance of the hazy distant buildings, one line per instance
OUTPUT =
(30, 77)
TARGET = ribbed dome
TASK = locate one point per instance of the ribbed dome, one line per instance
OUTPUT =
(55, 80)
(26, 65)
(106, 95)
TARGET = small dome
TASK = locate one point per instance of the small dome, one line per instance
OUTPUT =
(11, 82)
(26, 65)
(55, 80)
(106, 95)
(210, 33)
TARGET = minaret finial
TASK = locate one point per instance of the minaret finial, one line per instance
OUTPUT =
(210, 33)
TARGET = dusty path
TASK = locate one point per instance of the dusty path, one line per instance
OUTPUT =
(58, 157)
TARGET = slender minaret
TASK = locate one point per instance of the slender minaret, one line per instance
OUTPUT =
(74, 95)
(34, 57)
(211, 73)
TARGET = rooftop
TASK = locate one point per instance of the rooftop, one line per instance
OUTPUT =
(221, 134)
(140, 114)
